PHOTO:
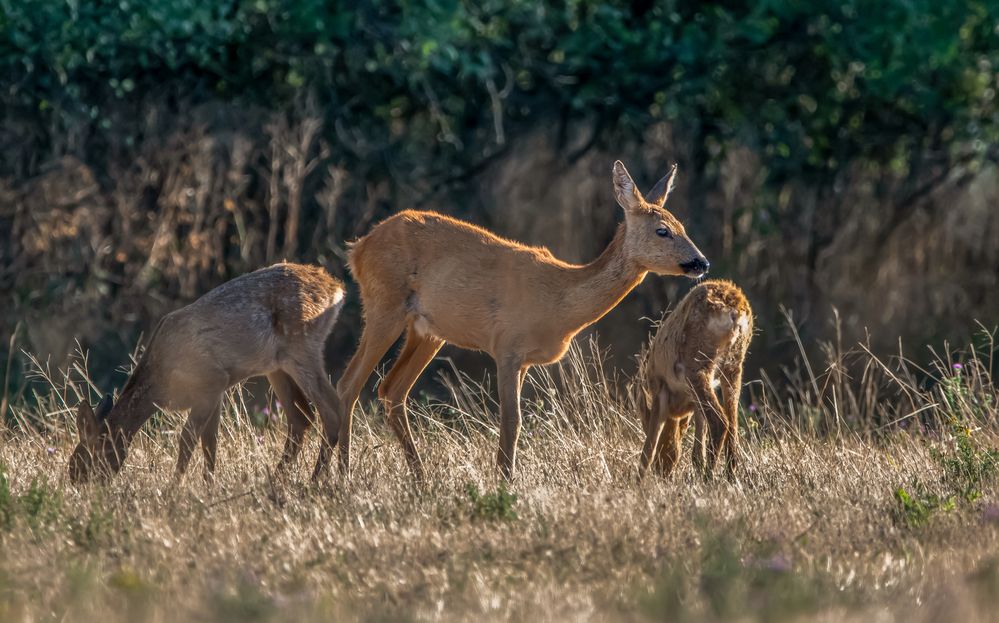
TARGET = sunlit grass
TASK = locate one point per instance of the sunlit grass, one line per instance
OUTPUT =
(813, 529)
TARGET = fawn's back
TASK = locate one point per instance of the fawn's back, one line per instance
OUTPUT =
(246, 326)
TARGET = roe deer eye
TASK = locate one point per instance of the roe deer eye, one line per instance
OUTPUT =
(665, 233)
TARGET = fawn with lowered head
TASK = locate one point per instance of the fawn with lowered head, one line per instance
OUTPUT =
(698, 348)
(438, 279)
(272, 322)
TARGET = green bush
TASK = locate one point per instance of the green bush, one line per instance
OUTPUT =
(809, 85)
(40, 504)
(93, 529)
(492, 506)
(966, 466)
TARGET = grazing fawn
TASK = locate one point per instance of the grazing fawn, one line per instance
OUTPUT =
(272, 322)
(441, 280)
(698, 348)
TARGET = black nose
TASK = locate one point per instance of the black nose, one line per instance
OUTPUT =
(699, 266)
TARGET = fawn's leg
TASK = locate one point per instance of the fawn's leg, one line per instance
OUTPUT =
(200, 417)
(312, 380)
(711, 412)
(209, 442)
(510, 373)
(700, 444)
(731, 386)
(297, 413)
(671, 442)
(654, 418)
(653, 430)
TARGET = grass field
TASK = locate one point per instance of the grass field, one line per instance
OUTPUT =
(863, 497)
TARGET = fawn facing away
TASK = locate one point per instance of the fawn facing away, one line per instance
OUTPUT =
(698, 348)
(272, 322)
(441, 280)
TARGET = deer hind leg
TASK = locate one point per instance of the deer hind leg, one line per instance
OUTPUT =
(210, 442)
(416, 354)
(671, 442)
(311, 378)
(731, 386)
(201, 417)
(653, 415)
(380, 331)
(712, 414)
(510, 375)
(297, 412)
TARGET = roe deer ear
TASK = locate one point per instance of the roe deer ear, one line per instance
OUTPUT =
(660, 192)
(86, 422)
(624, 188)
(104, 407)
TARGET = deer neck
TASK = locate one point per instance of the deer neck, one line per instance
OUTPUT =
(135, 405)
(597, 287)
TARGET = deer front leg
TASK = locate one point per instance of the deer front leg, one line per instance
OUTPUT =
(710, 412)
(209, 442)
(653, 430)
(700, 444)
(730, 387)
(197, 420)
(510, 375)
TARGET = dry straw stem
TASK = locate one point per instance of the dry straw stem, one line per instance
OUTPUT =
(811, 531)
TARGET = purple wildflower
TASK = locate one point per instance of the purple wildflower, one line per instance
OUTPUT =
(752, 408)
(50, 450)
(778, 563)
(957, 367)
(260, 439)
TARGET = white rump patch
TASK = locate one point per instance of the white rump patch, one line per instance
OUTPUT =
(715, 382)
(423, 327)
(743, 323)
(338, 297)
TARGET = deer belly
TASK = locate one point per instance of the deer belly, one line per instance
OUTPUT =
(455, 326)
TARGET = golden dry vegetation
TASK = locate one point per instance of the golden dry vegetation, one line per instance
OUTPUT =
(817, 528)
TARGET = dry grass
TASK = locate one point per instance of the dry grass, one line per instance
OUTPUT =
(812, 531)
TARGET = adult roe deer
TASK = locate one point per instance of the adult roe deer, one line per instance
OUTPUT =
(444, 280)
(698, 347)
(272, 322)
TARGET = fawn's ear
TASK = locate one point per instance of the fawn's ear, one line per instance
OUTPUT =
(624, 189)
(104, 407)
(660, 192)
(86, 422)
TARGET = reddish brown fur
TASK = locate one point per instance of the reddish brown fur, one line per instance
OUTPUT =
(440, 279)
(272, 322)
(701, 344)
